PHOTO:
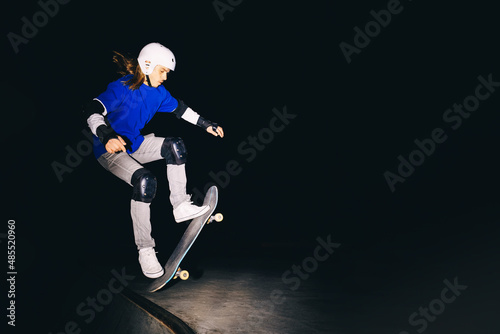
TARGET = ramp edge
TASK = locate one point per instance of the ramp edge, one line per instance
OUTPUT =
(174, 323)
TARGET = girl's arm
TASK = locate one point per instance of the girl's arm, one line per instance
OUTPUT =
(94, 111)
(191, 116)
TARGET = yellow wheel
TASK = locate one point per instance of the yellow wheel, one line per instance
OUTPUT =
(218, 217)
(183, 275)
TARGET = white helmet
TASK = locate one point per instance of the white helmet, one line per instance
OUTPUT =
(155, 54)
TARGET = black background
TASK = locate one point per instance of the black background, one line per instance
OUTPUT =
(323, 174)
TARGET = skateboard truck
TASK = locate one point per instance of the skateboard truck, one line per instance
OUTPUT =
(218, 217)
(182, 274)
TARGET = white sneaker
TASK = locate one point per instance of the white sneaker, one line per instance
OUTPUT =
(187, 210)
(149, 263)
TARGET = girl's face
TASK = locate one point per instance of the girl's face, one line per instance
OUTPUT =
(158, 76)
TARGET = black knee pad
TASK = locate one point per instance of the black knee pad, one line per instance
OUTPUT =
(144, 183)
(174, 151)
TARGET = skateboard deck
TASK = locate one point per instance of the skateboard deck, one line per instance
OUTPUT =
(172, 269)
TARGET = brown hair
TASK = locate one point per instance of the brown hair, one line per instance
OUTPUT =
(127, 66)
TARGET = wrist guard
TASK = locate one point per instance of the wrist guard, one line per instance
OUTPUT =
(105, 133)
(203, 123)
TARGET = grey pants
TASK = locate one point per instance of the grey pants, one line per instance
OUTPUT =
(124, 165)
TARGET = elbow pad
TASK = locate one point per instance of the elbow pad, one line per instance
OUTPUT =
(181, 109)
(93, 107)
(94, 112)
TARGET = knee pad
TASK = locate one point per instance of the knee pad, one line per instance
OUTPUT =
(174, 151)
(144, 183)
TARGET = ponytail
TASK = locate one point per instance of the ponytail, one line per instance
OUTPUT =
(129, 66)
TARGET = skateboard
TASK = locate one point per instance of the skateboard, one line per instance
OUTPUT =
(172, 269)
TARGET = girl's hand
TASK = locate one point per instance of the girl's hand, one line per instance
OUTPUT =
(116, 145)
(218, 132)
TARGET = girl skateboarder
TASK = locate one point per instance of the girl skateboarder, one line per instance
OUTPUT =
(116, 118)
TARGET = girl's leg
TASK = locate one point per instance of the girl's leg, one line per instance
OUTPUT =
(124, 167)
(130, 171)
(173, 151)
(156, 148)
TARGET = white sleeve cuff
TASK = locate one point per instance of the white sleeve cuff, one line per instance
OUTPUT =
(190, 116)
(94, 121)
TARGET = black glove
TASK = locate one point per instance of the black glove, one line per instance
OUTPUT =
(203, 123)
(105, 133)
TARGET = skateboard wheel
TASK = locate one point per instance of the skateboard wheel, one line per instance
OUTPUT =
(183, 275)
(218, 217)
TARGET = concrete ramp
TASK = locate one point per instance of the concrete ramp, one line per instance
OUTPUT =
(130, 314)
(99, 304)
(125, 316)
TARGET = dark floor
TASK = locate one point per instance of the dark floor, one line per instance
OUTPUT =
(440, 279)
(444, 285)
(235, 296)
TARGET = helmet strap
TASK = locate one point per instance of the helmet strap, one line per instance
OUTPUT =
(149, 81)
